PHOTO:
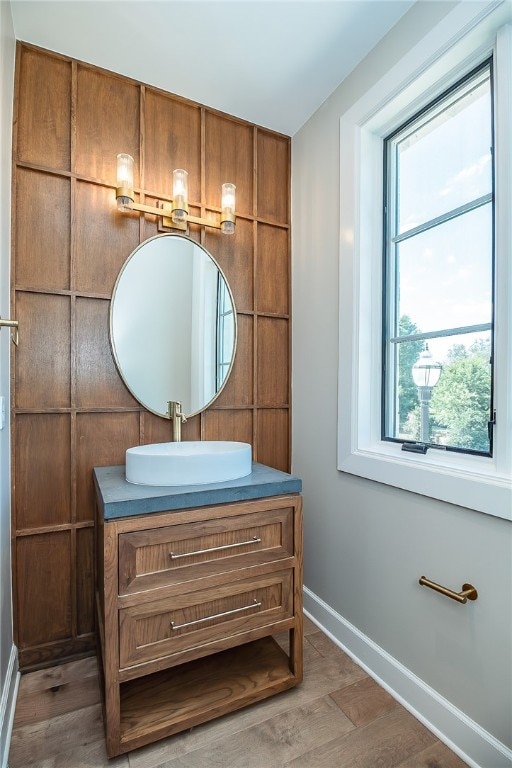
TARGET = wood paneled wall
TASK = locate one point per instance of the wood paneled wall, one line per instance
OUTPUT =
(70, 409)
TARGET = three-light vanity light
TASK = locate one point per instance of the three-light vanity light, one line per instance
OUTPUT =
(174, 214)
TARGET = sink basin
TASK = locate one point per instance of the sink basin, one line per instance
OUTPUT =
(193, 462)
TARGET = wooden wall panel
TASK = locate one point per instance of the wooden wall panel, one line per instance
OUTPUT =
(85, 541)
(273, 177)
(172, 140)
(107, 122)
(72, 411)
(232, 425)
(43, 470)
(273, 352)
(273, 277)
(156, 430)
(229, 157)
(102, 440)
(44, 322)
(44, 93)
(239, 386)
(43, 203)
(93, 354)
(273, 445)
(43, 580)
(234, 255)
(102, 249)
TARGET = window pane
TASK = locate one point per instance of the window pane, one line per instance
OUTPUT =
(444, 275)
(437, 384)
(459, 405)
(444, 159)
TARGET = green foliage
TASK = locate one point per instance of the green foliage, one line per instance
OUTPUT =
(457, 352)
(482, 348)
(460, 401)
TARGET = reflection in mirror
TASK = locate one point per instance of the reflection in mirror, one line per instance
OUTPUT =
(173, 325)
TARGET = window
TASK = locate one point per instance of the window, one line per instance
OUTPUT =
(444, 74)
(438, 273)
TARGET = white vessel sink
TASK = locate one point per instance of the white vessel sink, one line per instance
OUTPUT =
(193, 462)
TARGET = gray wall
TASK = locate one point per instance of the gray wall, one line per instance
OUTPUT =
(7, 48)
(367, 544)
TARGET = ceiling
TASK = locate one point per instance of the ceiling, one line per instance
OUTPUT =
(271, 62)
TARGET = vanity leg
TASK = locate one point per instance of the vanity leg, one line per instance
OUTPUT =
(111, 642)
(297, 634)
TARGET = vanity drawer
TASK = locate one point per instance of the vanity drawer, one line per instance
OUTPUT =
(160, 628)
(176, 554)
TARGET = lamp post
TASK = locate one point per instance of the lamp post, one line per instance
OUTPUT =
(425, 373)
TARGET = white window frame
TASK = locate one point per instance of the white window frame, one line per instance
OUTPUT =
(464, 38)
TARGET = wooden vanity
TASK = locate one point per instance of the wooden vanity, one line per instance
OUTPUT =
(193, 582)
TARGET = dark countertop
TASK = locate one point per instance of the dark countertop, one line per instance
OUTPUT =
(118, 498)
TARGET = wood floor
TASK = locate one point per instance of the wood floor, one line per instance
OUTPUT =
(338, 718)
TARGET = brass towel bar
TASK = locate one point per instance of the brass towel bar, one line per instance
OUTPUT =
(468, 591)
(11, 324)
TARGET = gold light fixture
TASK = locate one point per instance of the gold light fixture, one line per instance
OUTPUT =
(174, 214)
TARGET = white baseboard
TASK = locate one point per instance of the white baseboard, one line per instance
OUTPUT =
(7, 706)
(476, 746)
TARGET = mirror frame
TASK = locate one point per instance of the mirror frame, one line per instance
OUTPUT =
(111, 334)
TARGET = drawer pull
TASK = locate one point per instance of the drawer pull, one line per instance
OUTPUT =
(255, 604)
(254, 540)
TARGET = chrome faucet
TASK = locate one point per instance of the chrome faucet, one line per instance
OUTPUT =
(178, 418)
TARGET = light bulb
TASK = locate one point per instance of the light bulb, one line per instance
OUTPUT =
(179, 196)
(227, 218)
(124, 191)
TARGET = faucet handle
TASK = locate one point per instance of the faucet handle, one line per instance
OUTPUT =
(174, 410)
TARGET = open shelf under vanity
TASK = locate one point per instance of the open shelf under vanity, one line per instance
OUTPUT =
(175, 699)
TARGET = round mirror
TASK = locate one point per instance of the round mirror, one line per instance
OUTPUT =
(173, 325)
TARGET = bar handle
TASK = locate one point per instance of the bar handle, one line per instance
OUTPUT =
(254, 540)
(255, 604)
(468, 591)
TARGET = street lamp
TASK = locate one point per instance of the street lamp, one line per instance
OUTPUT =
(425, 372)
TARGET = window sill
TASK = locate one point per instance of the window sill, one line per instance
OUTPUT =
(472, 482)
